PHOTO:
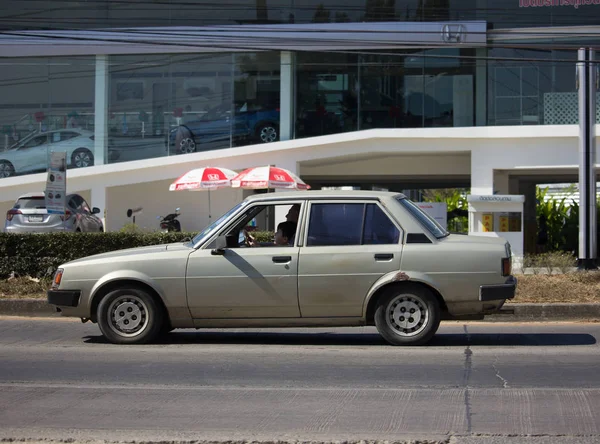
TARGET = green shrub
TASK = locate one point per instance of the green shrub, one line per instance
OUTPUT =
(38, 255)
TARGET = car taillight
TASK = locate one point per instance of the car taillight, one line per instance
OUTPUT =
(506, 266)
(11, 213)
(65, 216)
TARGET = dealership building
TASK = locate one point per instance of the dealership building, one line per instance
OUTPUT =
(393, 94)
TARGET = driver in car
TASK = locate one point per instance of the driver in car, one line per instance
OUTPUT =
(284, 236)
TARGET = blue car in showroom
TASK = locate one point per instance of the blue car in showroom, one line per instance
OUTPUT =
(216, 128)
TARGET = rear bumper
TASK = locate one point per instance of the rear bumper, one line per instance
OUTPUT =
(64, 298)
(38, 229)
(498, 292)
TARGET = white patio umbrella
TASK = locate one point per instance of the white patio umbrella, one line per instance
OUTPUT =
(204, 179)
(267, 177)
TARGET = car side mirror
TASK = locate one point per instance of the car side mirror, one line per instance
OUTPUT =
(220, 246)
(95, 210)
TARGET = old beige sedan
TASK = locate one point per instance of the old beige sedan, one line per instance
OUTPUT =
(355, 258)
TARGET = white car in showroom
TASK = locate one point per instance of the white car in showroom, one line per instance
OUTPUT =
(33, 152)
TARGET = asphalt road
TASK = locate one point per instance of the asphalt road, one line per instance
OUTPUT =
(476, 382)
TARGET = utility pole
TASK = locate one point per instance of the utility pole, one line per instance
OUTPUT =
(587, 86)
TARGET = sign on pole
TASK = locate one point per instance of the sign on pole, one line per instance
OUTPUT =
(437, 210)
(56, 183)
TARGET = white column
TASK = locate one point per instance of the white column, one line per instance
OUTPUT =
(287, 87)
(482, 173)
(501, 182)
(101, 111)
(481, 78)
(98, 199)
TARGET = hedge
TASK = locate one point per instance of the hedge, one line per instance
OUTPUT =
(38, 255)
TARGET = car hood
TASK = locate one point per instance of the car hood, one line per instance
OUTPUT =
(474, 239)
(117, 254)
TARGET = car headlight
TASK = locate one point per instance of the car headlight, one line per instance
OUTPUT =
(57, 278)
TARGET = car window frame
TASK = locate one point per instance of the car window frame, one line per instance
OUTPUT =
(24, 147)
(362, 201)
(236, 218)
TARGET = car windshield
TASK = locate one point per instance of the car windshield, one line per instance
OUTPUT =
(208, 230)
(425, 219)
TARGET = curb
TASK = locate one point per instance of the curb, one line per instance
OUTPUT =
(521, 312)
(547, 312)
(27, 307)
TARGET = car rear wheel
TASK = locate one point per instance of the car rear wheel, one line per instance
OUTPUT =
(129, 316)
(6, 169)
(267, 132)
(407, 315)
(82, 157)
(184, 142)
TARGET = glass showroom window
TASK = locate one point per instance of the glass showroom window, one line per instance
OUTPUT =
(539, 90)
(48, 105)
(182, 104)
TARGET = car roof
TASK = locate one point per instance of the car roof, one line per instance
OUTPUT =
(325, 194)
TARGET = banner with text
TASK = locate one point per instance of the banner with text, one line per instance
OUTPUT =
(56, 183)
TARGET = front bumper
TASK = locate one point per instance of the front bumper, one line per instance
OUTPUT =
(64, 298)
(498, 292)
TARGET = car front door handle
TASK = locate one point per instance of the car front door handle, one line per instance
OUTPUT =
(282, 259)
(384, 257)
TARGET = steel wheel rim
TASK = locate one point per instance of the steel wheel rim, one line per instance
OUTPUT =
(187, 145)
(82, 159)
(268, 134)
(4, 170)
(128, 316)
(407, 315)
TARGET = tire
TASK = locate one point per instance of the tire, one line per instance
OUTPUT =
(398, 329)
(6, 169)
(129, 316)
(184, 142)
(267, 133)
(81, 158)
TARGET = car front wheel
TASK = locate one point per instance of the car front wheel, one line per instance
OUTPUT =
(129, 316)
(407, 315)
(6, 169)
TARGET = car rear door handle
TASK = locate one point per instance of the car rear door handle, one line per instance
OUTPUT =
(384, 257)
(282, 259)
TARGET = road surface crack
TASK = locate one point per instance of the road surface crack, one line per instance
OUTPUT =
(498, 375)
(466, 377)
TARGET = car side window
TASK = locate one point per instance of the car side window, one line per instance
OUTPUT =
(66, 135)
(379, 229)
(85, 206)
(335, 224)
(76, 202)
(350, 224)
(36, 141)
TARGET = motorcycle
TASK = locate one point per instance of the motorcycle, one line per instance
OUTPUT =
(169, 223)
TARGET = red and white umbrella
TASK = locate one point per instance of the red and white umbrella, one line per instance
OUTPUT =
(206, 178)
(268, 177)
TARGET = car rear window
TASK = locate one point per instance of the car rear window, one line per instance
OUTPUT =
(31, 203)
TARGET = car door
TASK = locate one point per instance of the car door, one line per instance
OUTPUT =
(347, 247)
(33, 155)
(259, 282)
